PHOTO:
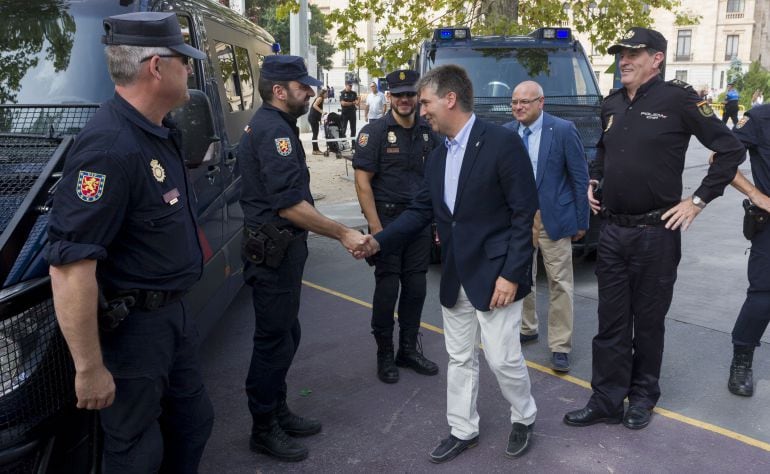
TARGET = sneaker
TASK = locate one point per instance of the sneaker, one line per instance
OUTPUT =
(560, 362)
(449, 448)
(519, 440)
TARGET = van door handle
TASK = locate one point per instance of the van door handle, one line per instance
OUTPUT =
(230, 160)
(212, 173)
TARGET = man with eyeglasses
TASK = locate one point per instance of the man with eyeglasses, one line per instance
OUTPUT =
(122, 230)
(278, 211)
(389, 162)
(561, 175)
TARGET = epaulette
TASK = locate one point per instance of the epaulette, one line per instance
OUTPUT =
(615, 92)
(682, 84)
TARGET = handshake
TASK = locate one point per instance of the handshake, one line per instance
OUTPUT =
(359, 245)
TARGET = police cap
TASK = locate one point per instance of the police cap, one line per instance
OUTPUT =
(285, 67)
(149, 29)
(638, 37)
(402, 80)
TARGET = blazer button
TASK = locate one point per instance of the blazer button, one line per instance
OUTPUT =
(453, 223)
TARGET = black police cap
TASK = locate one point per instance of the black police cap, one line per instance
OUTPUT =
(285, 67)
(402, 80)
(149, 29)
(638, 37)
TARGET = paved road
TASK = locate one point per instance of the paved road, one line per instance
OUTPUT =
(373, 427)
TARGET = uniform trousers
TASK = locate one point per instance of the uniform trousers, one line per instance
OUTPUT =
(162, 416)
(557, 260)
(636, 271)
(731, 112)
(464, 328)
(348, 116)
(405, 268)
(277, 333)
(755, 313)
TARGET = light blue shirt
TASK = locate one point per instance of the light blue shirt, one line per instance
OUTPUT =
(534, 140)
(454, 162)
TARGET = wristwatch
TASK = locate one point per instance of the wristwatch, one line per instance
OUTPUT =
(698, 201)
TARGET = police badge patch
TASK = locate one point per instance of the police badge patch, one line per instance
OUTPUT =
(609, 123)
(283, 146)
(363, 139)
(742, 122)
(90, 186)
(705, 109)
(157, 171)
(391, 137)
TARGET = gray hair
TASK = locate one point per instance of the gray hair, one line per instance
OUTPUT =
(124, 62)
(450, 78)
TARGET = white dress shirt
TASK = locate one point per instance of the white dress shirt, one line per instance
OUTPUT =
(454, 162)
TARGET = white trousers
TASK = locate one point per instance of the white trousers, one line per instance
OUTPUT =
(498, 330)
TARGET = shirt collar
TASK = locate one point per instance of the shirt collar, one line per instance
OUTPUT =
(645, 87)
(292, 121)
(462, 136)
(534, 127)
(136, 117)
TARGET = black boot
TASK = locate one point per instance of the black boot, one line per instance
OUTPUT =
(294, 424)
(386, 369)
(268, 437)
(410, 354)
(741, 380)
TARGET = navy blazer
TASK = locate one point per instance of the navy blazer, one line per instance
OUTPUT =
(489, 234)
(562, 177)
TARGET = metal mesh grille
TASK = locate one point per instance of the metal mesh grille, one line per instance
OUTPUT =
(36, 371)
(45, 120)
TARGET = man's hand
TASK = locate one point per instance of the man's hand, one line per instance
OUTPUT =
(761, 200)
(681, 215)
(368, 246)
(596, 206)
(580, 234)
(95, 388)
(505, 292)
(351, 239)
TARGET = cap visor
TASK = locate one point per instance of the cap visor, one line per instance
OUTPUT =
(400, 89)
(615, 48)
(187, 50)
(310, 81)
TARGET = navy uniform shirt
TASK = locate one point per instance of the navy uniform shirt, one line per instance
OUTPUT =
(124, 199)
(273, 168)
(642, 149)
(753, 129)
(396, 156)
(349, 96)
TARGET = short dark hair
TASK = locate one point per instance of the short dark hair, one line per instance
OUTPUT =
(265, 88)
(450, 78)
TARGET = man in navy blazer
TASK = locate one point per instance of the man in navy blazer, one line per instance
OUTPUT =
(480, 190)
(561, 175)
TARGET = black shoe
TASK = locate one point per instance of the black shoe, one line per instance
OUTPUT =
(296, 425)
(449, 448)
(741, 380)
(589, 416)
(525, 338)
(560, 362)
(387, 371)
(410, 354)
(637, 417)
(273, 441)
(518, 440)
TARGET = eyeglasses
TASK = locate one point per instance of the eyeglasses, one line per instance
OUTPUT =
(403, 94)
(185, 59)
(516, 102)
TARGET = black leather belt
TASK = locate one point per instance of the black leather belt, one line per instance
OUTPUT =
(652, 218)
(390, 208)
(147, 300)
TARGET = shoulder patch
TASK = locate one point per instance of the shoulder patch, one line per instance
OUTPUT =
(682, 84)
(742, 121)
(363, 139)
(90, 186)
(705, 109)
(283, 146)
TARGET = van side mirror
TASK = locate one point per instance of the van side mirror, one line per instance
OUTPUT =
(196, 122)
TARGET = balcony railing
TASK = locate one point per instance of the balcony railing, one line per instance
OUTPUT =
(734, 15)
(683, 57)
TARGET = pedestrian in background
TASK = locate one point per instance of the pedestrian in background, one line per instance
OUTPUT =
(375, 103)
(349, 106)
(314, 117)
(732, 98)
(757, 98)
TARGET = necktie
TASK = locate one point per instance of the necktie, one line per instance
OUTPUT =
(527, 133)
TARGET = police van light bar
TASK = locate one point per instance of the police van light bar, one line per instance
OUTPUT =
(449, 34)
(559, 34)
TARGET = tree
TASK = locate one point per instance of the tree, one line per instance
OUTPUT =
(603, 20)
(272, 16)
(756, 78)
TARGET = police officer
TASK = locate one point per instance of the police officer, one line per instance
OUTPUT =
(278, 209)
(389, 161)
(349, 106)
(753, 130)
(647, 126)
(123, 225)
(732, 98)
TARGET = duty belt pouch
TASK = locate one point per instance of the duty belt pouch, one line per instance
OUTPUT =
(253, 246)
(267, 245)
(754, 219)
(112, 312)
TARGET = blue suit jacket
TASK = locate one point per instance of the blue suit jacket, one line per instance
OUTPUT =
(489, 234)
(562, 177)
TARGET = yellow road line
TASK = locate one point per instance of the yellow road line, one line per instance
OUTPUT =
(541, 368)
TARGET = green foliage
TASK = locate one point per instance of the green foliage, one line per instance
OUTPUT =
(735, 73)
(407, 23)
(756, 78)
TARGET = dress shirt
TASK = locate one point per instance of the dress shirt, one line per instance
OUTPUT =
(454, 162)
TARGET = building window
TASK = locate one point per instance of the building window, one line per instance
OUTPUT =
(349, 57)
(734, 6)
(683, 44)
(681, 75)
(731, 48)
